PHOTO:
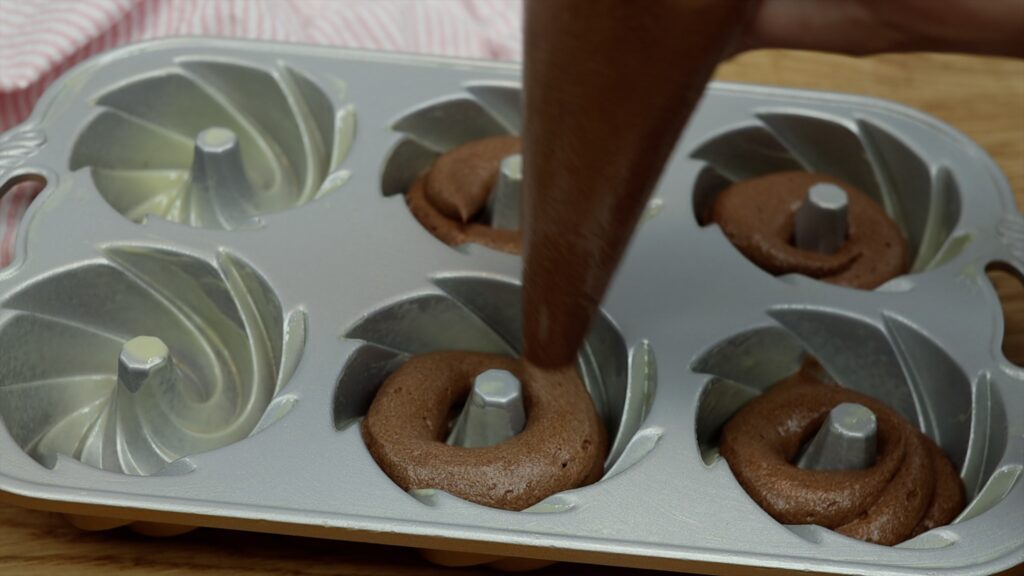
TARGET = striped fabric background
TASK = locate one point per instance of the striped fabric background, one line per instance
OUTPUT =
(40, 39)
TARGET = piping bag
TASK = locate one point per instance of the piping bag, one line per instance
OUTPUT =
(609, 86)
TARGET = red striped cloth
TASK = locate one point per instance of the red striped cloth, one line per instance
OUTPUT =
(41, 39)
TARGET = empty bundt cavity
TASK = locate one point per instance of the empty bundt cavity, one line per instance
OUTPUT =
(190, 143)
(794, 407)
(15, 198)
(459, 166)
(767, 186)
(449, 406)
(142, 357)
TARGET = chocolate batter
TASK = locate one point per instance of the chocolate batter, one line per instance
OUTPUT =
(757, 215)
(609, 86)
(563, 445)
(449, 198)
(911, 488)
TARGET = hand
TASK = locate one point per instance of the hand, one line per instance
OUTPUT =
(870, 26)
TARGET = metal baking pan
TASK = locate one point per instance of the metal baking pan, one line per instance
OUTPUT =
(238, 206)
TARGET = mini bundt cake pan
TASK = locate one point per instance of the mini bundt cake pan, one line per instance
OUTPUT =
(219, 274)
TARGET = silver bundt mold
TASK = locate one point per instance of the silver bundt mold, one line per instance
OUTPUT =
(483, 314)
(147, 356)
(908, 371)
(924, 200)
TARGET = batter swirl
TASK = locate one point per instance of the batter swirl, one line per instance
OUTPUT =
(757, 215)
(911, 488)
(450, 197)
(563, 445)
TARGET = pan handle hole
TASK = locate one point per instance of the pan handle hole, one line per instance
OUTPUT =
(16, 195)
(1009, 286)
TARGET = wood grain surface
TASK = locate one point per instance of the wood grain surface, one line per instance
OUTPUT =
(982, 97)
